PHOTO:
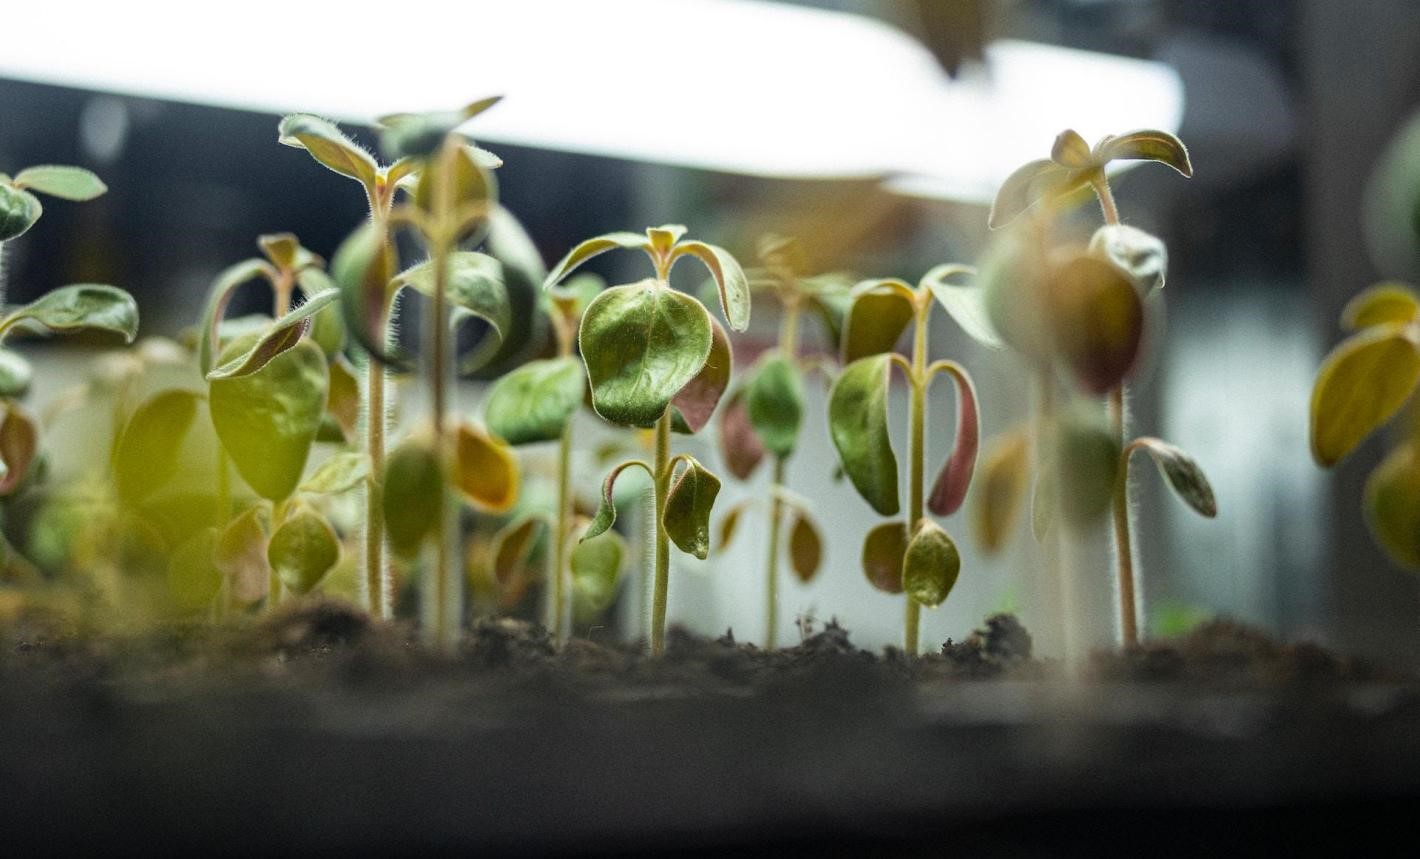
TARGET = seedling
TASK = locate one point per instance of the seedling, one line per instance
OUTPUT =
(762, 415)
(1084, 309)
(1361, 386)
(915, 556)
(656, 357)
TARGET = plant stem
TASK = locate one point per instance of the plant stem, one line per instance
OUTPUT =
(273, 587)
(916, 458)
(281, 288)
(377, 578)
(558, 621)
(662, 469)
(1106, 198)
(444, 629)
(771, 580)
(1123, 543)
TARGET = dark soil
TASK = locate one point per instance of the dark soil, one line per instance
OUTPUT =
(316, 730)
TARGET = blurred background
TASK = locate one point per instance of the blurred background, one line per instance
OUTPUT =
(876, 133)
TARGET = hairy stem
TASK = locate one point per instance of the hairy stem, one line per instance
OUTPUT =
(1123, 542)
(662, 480)
(444, 591)
(377, 574)
(1106, 198)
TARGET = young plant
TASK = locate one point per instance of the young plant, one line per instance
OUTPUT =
(915, 556)
(1085, 309)
(1365, 381)
(763, 414)
(656, 358)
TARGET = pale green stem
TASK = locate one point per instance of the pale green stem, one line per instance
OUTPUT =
(771, 580)
(377, 574)
(274, 587)
(560, 573)
(916, 446)
(1123, 542)
(662, 481)
(445, 628)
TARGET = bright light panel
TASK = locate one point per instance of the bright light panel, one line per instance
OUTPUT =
(734, 85)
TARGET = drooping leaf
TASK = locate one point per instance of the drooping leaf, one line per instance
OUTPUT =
(949, 489)
(1071, 150)
(729, 278)
(596, 569)
(303, 549)
(884, 551)
(606, 510)
(1393, 505)
(193, 577)
(328, 145)
(240, 555)
(805, 547)
(1381, 304)
(1141, 256)
(857, 421)
(267, 420)
(146, 457)
(740, 447)
(590, 248)
(363, 267)
(775, 401)
(1087, 455)
(1183, 474)
(327, 326)
(66, 183)
(340, 473)
(1360, 386)
(729, 523)
(642, 344)
(486, 470)
(15, 374)
(19, 444)
(687, 512)
(1098, 321)
(1029, 184)
(693, 404)
(1147, 145)
(523, 274)
(474, 288)
(19, 210)
(216, 307)
(534, 402)
(283, 334)
(930, 565)
(410, 495)
(513, 548)
(880, 312)
(965, 304)
(80, 307)
(1005, 476)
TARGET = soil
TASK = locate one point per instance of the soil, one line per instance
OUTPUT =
(317, 730)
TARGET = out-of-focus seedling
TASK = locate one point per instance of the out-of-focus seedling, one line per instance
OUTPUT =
(655, 357)
(1085, 310)
(762, 414)
(915, 556)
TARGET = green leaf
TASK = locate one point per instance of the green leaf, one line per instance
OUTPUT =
(472, 191)
(19, 210)
(535, 402)
(596, 569)
(523, 273)
(1183, 474)
(687, 512)
(267, 420)
(328, 145)
(1360, 386)
(1087, 455)
(420, 134)
(880, 312)
(240, 555)
(1146, 145)
(1071, 150)
(775, 401)
(1393, 506)
(805, 547)
(474, 288)
(15, 374)
(80, 307)
(642, 344)
(1381, 304)
(606, 511)
(193, 577)
(930, 566)
(340, 473)
(66, 183)
(410, 496)
(146, 456)
(485, 469)
(284, 334)
(857, 421)
(590, 248)
(965, 304)
(1029, 184)
(729, 278)
(218, 297)
(949, 489)
(1141, 256)
(1005, 477)
(19, 444)
(513, 548)
(740, 447)
(363, 267)
(303, 550)
(884, 551)
(342, 402)
(693, 404)
(1098, 321)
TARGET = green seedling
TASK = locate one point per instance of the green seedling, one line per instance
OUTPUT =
(915, 556)
(656, 358)
(763, 414)
(1086, 310)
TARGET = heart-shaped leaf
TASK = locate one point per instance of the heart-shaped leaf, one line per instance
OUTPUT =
(513, 548)
(949, 489)
(1393, 505)
(328, 145)
(1183, 474)
(1381, 304)
(964, 304)
(642, 344)
(687, 513)
(534, 402)
(884, 550)
(283, 334)
(267, 420)
(693, 405)
(740, 447)
(1098, 321)
(1360, 386)
(1029, 184)
(19, 210)
(303, 550)
(729, 279)
(56, 180)
(413, 481)
(880, 312)
(590, 248)
(1005, 477)
(596, 569)
(1140, 255)
(775, 401)
(606, 510)
(146, 456)
(857, 421)
(485, 470)
(805, 547)
(341, 472)
(15, 374)
(930, 565)
(240, 555)
(193, 577)
(1146, 145)
(80, 307)
(19, 443)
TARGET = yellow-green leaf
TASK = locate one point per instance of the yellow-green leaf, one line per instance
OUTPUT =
(64, 182)
(19, 209)
(193, 577)
(729, 524)
(283, 334)
(240, 555)
(857, 421)
(1360, 386)
(1029, 184)
(596, 569)
(880, 312)
(1098, 321)
(966, 304)
(19, 443)
(15, 374)
(486, 470)
(339, 473)
(328, 145)
(1393, 506)
(1381, 304)
(146, 456)
(218, 296)
(1071, 150)
(410, 495)
(80, 307)
(513, 548)
(1005, 476)
(930, 566)
(303, 550)
(1087, 455)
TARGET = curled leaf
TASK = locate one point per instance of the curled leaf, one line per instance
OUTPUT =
(303, 550)
(513, 548)
(590, 248)
(474, 288)
(328, 145)
(606, 511)
(1071, 150)
(283, 334)
(1005, 476)
(805, 547)
(884, 550)
(740, 447)
(949, 489)
(687, 512)
(880, 312)
(1360, 386)
(362, 268)
(486, 470)
(19, 210)
(857, 421)
(965, 304)
(930, 565)
(80, 307)
(729, 278)
(1029, 184)
(218, 296)
(1183, 474)
(535, 402)
(775, 401)
(1147, 145)
(695, 403)
(1140, 255)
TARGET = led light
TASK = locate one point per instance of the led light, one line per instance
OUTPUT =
(733, 85)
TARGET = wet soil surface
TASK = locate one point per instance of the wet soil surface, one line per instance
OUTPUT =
(315, 730)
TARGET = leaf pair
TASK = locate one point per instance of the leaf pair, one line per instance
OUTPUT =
(686, 517)
(20, 208)
(925, 567)
(805, 541)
